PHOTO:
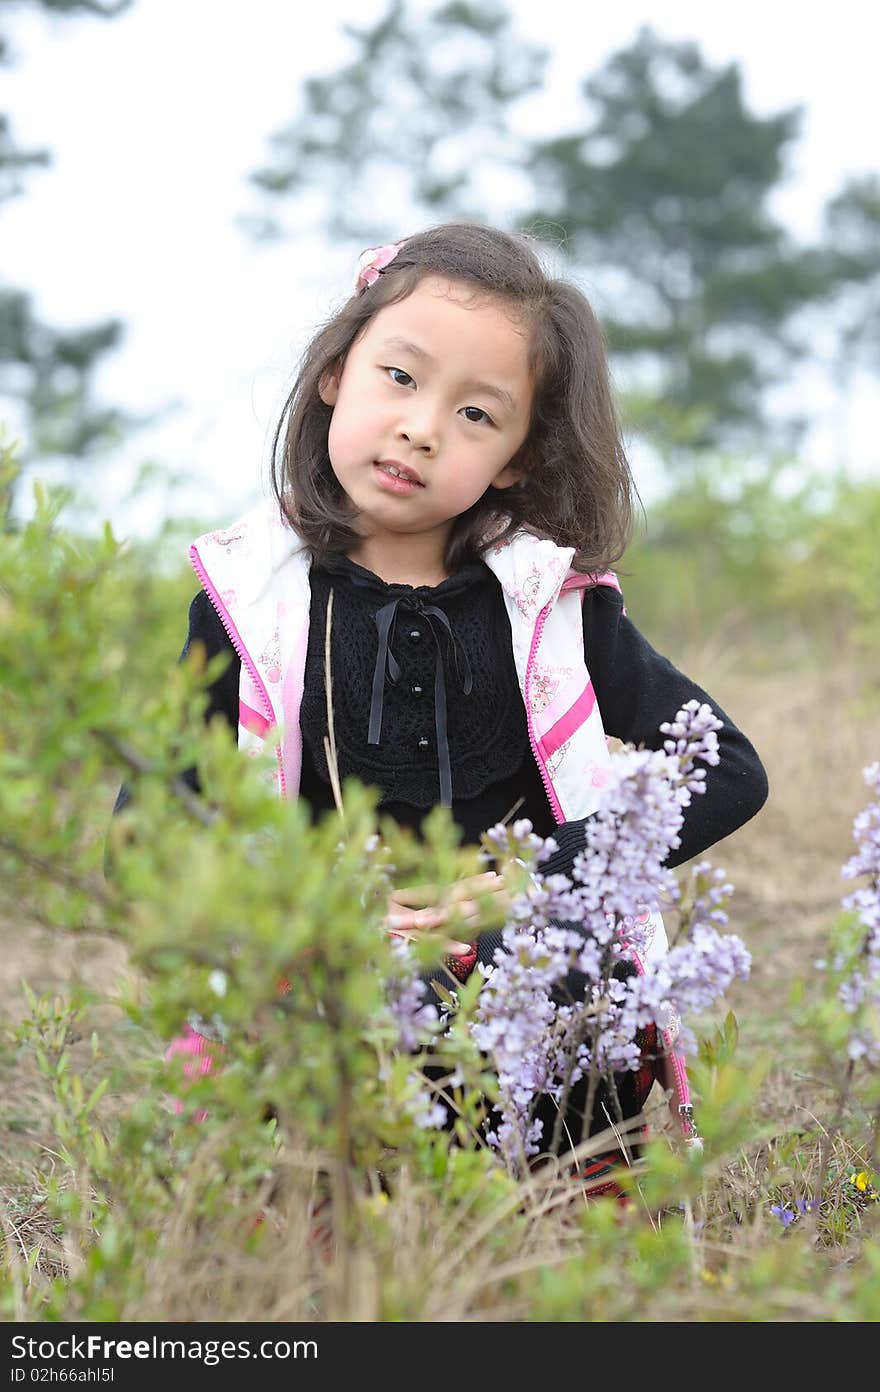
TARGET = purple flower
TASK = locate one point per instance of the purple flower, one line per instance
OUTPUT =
(427, 1113)
(404, 994)
(785, 1215)
(859, 990)
(711, 893)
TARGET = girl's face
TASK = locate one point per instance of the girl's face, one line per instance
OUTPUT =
(438, 388)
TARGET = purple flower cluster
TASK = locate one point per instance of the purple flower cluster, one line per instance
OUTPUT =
(404, 994)
(427, 1113)
(520, 1028)
(787, 1216)
(538, 1045)
(860, 991)
(413, 1023)
(711, 892)
(532, 849)
(641, 814)
(688, 979)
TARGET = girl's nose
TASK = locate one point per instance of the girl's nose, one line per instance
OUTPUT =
(420, 428)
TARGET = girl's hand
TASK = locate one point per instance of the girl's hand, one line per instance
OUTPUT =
(411, 911)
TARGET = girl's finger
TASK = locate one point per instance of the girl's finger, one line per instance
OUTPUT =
(411, 921)
(475, 884)
(406, 920)
(465, 908)
(413, 934)
(397, 915)
(423, 896)
(416, 896)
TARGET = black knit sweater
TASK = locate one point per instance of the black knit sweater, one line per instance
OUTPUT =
(493, 768)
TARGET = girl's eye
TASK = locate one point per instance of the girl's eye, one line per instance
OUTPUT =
(402, 373)
(480, 412)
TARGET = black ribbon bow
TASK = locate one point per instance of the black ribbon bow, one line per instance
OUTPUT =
(386, 661)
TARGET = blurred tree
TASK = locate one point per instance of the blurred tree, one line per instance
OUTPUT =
(852, 235)
(49, 370)
(851, 238)
(416, 119)
(664, 197)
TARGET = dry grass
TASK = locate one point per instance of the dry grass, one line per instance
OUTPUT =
(815, 733)
(815, 736)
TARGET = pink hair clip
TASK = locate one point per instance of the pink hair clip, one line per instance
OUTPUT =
(372, 262)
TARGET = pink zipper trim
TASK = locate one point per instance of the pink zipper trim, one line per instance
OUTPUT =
(236, 641)
(676, 1060)
(555, 804)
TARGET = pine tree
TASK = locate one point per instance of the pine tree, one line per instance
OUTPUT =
(664, 197)
(48, 370)
(410, 129)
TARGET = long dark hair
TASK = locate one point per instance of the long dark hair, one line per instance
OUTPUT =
(577, 490)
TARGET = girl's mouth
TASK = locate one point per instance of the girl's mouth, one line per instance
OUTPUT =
(395, 483)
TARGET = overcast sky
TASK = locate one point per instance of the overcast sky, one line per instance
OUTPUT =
(155, 119)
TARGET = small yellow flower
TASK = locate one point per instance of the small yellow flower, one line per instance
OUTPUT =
(860, 1180)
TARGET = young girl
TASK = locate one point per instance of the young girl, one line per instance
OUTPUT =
(449, 464)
